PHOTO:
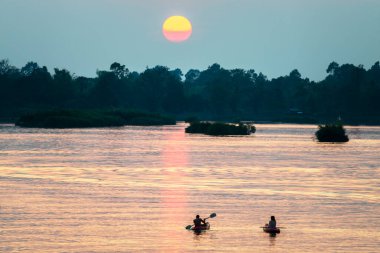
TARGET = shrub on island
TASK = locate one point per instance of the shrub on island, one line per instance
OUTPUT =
(331, 133)
(91, 118)
(220, 129)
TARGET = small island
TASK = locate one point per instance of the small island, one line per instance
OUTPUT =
(331, 133)
(91, 118)
(220, 129)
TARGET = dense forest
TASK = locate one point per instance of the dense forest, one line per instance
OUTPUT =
(348, 91)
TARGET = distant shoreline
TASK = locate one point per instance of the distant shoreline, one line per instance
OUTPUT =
(349, 92)
(261, 122)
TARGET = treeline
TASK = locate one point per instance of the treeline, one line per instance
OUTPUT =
(348, 91)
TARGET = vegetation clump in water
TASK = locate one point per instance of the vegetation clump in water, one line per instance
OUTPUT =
(331, 133)
(91, 118)
(220, 129)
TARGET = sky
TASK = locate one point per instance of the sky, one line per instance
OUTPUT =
(269, 36)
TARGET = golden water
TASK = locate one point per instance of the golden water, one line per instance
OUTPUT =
(135, 189)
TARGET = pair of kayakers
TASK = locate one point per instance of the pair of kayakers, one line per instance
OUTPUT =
(198, 222)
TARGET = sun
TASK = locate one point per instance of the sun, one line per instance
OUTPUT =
(177, 29)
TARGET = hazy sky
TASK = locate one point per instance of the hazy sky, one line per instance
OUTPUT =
(271, 36)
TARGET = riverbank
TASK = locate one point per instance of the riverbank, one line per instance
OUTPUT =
(91, 118)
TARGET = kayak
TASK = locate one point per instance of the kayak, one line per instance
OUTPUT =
(271, 230)
(201, 228)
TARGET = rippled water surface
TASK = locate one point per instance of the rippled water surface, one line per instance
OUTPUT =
(135, 189)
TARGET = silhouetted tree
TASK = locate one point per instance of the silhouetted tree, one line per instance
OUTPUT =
(119, 70)
(63, 86)
(29, 68)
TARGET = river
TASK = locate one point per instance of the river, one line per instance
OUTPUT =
(135, 189)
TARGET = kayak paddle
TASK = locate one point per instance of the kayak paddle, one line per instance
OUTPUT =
(213, 215)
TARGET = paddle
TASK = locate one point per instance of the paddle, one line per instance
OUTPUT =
(213, 215)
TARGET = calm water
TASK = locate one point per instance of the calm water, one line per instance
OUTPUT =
(135, 189)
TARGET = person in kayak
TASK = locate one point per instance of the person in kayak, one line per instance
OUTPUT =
(198, 222)
(272, 223)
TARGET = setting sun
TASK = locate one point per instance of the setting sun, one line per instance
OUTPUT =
(177, 29)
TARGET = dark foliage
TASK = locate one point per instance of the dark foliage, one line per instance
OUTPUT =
(331, 133)
(348, 91)
(198, 127)
(93, 118)
(219, 129)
